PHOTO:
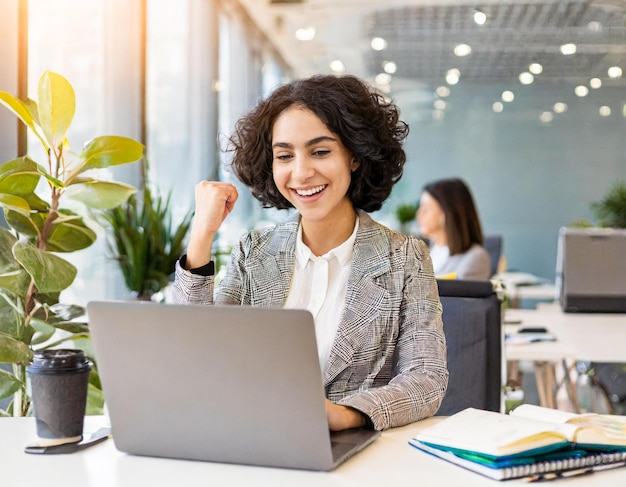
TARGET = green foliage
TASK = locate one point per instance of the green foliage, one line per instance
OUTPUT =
(31, 275)
(405, 212)
(611, 210)
(145, 242)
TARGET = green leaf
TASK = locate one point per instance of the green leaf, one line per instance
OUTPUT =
(25, 111)
(73, 327)
(14, 203)
(69, 233)
(7, 240)
(13, 350)
(50, 272)
(16, 282)
(95, 400)
(19, 177)
(57, 104)
(9, 384)
(100, 195)
(10, 318)
(110, 150)
(42, 331)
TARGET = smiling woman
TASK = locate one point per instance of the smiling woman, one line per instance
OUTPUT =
(330, 147)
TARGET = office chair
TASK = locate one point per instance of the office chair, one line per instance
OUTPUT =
(472, 326)
(493, 245)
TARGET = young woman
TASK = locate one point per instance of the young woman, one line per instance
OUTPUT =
(331, 148)
(447, 216)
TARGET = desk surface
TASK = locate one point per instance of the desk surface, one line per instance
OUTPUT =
(596, 337)
(388, 461)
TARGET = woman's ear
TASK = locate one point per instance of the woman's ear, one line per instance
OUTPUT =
(354, 165)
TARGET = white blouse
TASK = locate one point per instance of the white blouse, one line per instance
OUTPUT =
(319, 285)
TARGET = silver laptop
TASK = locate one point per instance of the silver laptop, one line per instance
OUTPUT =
(234, 384)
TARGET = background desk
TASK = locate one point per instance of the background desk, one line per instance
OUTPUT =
(388, 461)
(593, 337)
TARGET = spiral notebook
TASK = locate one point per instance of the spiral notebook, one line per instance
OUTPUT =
(574, 464)
(531, 441)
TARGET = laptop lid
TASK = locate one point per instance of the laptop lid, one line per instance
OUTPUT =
(234, 384)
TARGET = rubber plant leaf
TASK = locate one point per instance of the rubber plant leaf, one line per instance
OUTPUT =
(56, 107)
(49, 272)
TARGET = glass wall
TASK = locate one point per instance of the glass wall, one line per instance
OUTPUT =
(170, 74)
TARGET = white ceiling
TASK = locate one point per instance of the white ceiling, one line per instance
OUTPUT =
(421, 35)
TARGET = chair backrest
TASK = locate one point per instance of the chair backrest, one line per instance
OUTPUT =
(472, 325)
(493, 245)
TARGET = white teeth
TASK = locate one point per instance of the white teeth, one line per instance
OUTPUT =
(309, 192)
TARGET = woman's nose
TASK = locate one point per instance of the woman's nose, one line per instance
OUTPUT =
(302, 168)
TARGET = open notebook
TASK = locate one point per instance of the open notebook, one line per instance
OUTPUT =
(233, 384)
(532, 441)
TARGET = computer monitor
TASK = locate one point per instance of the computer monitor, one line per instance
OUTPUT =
(591, 269)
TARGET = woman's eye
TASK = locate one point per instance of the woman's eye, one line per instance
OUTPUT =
(321, 152)
(282, 157)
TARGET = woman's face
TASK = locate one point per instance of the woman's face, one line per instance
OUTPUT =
(312, 168)
(430, 216)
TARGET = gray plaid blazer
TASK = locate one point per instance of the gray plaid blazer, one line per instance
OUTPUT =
(388, 359)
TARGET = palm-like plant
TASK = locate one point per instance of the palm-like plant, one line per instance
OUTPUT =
(145, 242)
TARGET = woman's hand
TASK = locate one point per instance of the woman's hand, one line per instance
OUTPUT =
(214, 201)
(343, 417)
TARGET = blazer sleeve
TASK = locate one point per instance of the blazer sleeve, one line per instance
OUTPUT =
(420, 369)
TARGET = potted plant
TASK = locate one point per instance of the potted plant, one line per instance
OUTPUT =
(405, 213)
(32, 273)
(145, 242)
(611, 210)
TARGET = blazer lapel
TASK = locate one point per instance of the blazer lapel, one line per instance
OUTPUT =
(363, 296)
(272, 276)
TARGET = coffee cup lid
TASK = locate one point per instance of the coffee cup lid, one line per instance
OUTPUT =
(58, 360)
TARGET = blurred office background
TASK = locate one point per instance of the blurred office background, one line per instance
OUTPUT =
(534, 119)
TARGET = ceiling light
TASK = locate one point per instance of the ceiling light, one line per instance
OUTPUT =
(594, 25)
(526, 78)
(390, 67)
(452, 76)
(508, 96)
(581, 90)
(595, 83)
(438, 114)
(337, 66)
(535, 68)
(442, 91)
(615, 72)
(497, 107)
(568, 49)
(440, 104)
(546, 117)
(305, 34)
(461, 50)
(605, 111)
(378, 43)
(560, 107)
(480, 17)
(383, 79)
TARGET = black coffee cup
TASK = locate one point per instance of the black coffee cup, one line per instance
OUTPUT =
(59, 379)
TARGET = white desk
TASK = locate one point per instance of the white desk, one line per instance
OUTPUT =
(595, 337)
(388, 461)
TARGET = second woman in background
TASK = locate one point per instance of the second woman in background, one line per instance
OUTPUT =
(448, 218)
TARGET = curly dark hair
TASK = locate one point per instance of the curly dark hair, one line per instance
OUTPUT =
(366, 122)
